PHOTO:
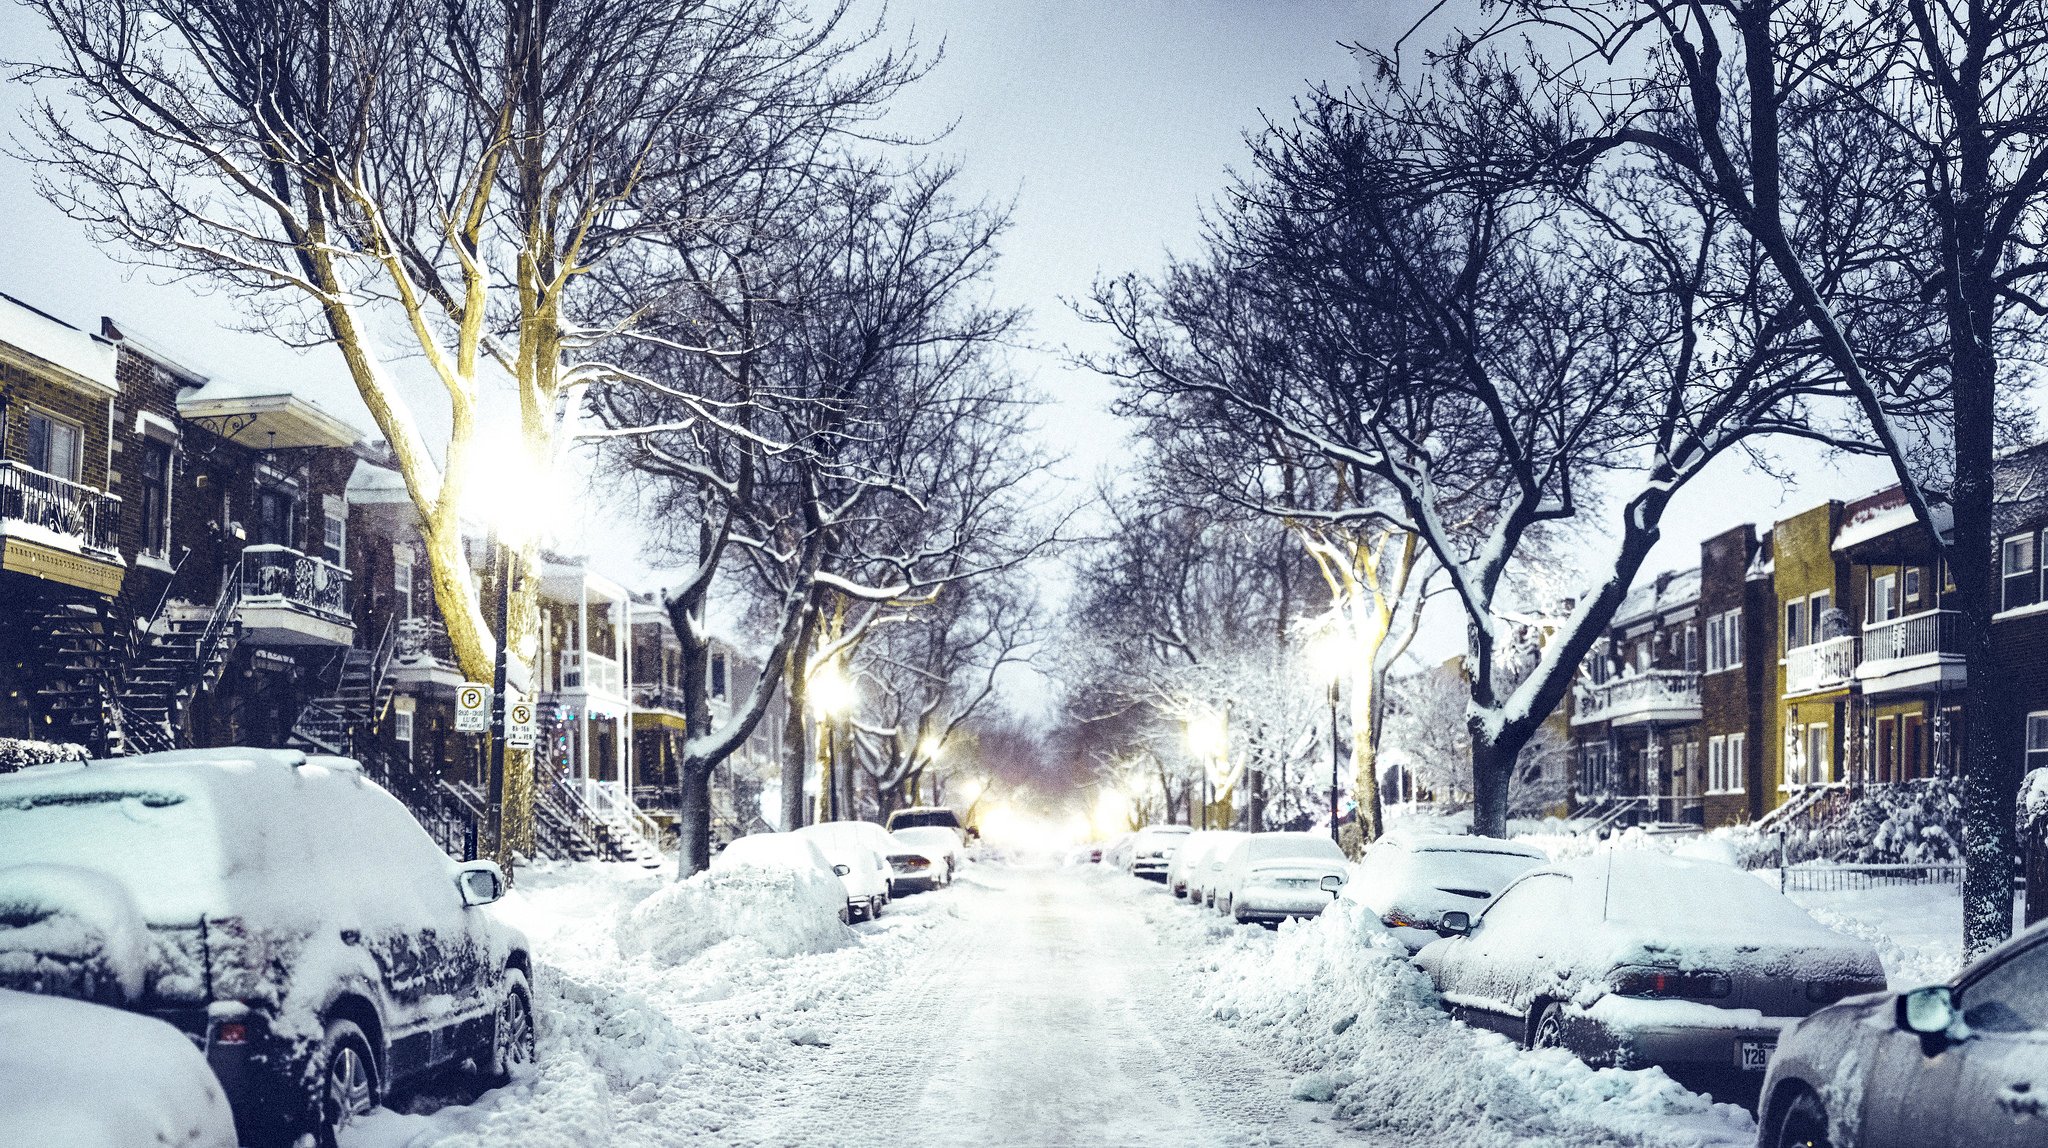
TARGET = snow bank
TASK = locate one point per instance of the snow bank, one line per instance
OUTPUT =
(83, 1076)
(781, 910)
(1338, 997)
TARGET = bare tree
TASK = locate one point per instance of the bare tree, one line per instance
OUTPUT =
(1891, 164)
(445, 176)
(1398, 289)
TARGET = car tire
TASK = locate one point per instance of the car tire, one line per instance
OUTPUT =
(515, 1039)
(1804, 1125)
(1546, 1029)
(345, 1076)
(874, 907)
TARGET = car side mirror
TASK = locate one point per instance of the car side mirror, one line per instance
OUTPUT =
(480, 882)
(1456, 923)
(1929, 1011)
(1332, 883)
(842, 870)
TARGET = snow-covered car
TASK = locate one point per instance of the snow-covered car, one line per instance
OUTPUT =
(1274, 876)
(1193, 853)
(909, 870)
(927, 817)
(1632, 958)
(87, 1076)
(938, 845)
(1411, 881)
(1203, 878)
(860, 868)
(1117, 853)
(780, 850)
(1961, 1065)
(1153, 849)
(284, 912)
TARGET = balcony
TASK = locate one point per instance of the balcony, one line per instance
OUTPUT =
(655, 696)
(593, 673)
(294, 599)
(1662, 696)
(1916, 652)
(59, 530)
(1821, 666)
(422, 658)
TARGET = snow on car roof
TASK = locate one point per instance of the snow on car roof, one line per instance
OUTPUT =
(1661, 891)
(771, 850)
(1313, 845)
(1445, 843)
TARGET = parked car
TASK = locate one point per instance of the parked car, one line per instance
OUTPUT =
(1411, 881)
(909, 870)
(1632, 958)
(781, 850)
(1204, 878)
(1960, 1065)
(859, 866)
(1153, 849)
(285, 913)
(939, 845)
(1274, 876)
(927, 817)
(1193, 853)
(1116, 853)
(87, 1076)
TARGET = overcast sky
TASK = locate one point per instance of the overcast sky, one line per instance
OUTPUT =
(1108, 124)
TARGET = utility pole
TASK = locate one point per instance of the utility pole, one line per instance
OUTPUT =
(1335, 762)
(503, 554)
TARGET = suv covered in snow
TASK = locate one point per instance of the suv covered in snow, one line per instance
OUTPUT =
(927, 816)
(285, 913)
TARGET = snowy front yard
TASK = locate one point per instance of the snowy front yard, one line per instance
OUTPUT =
(1038, 1006)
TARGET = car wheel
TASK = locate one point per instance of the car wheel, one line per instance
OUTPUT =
(347, 1080)
(874, 907)
(1548, 1031)
(1805, 1124)
(1236, 911)
(514, 1039)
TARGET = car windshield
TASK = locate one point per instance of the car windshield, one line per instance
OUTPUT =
(919, 818)
(1485, 872)
(159, 842)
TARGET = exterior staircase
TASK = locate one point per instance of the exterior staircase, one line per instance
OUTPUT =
(184, 652)
(78, 650)
(358, 704)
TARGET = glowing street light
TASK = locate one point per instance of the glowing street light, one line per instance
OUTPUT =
(1334, 656)
(832, 693)
(1209, 737)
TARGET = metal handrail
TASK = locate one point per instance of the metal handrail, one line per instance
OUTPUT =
(1915, 635)
(273, 571)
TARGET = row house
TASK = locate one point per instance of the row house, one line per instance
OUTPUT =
(1798, 665)
(197, 561)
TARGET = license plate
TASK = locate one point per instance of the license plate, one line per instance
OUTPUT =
(1754, 1055)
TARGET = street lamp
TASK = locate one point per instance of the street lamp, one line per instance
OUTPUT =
(832, 695)
(1332, 656)
(1209, 738)
(514, 495)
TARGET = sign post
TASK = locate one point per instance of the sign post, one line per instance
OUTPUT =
(520, 727)
(472, 708)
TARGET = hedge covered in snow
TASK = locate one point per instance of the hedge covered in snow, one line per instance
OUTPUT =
(20, 753)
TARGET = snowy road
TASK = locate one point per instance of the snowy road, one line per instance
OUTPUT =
(1044, 1013)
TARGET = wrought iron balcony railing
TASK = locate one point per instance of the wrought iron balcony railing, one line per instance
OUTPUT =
(72, 511)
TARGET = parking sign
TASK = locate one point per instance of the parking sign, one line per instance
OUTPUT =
(472, 708)
(519, 725)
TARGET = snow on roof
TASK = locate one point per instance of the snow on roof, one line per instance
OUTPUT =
(80, 356)
(1665, 592)
(1874, 522)
(373, 484)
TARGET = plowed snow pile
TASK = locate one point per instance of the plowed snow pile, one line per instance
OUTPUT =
(778, 911)
(1336, 995)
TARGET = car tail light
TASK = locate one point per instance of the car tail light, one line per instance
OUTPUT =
(1827, 992)
(231, 1032)
(1648, 982)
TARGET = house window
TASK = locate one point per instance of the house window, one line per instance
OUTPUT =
(718, 675)
(1816, 614)
(1724, 641)
(401, 579)
(1692, 647)
(334, 530)
(1912, 584)
(55, 446)
(1817, 771)
(1734, 780)
(156, 498)
(2017, 564)
(1795, 623)
(1794, 772)
(1881, 605)
(401, 730)
(2037, 739)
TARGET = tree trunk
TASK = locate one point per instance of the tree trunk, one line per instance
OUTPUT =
(1493, 767)
(1368, 708)
(1255, 800)
(693, 825)
(796, 756)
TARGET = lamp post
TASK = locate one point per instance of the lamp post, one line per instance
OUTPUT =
(1209, 737)
(832, 695)
(1335, 766)
(1332, 656)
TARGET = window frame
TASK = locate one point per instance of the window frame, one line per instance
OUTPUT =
(1795, 623)
(54, 420)
(1814, 610)
(1882, 587)
(158, 481)
(2008, 574)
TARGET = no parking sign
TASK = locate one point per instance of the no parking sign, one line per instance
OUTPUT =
(520, 727)
(472, 707)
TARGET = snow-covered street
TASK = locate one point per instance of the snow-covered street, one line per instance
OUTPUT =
(1022, 1006)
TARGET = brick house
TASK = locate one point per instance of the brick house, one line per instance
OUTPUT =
(1636, 710)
